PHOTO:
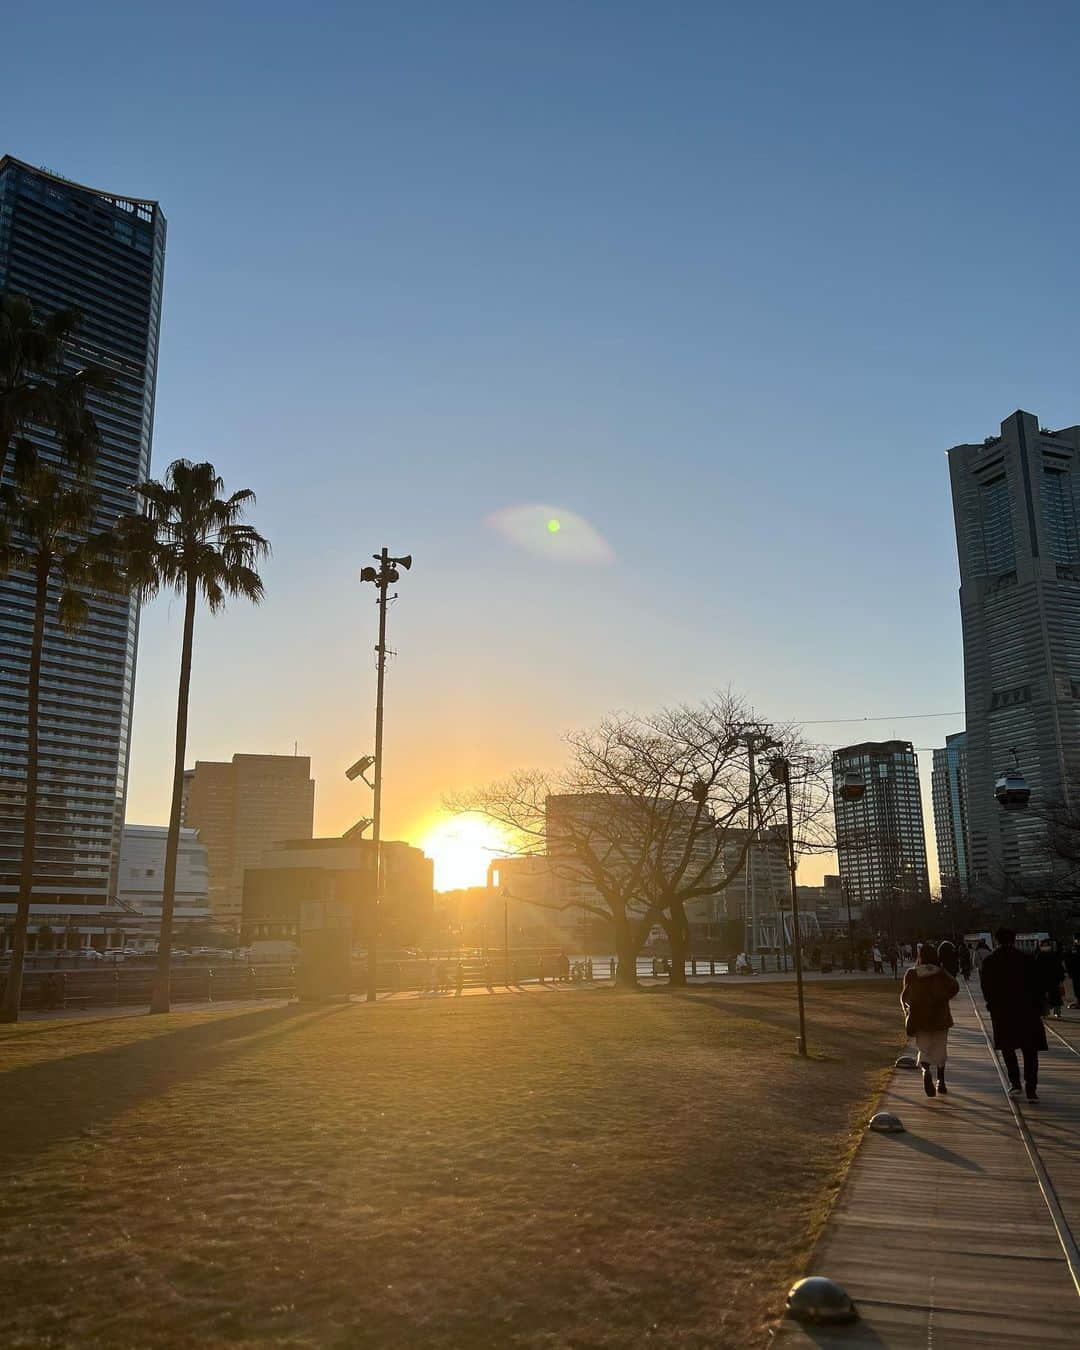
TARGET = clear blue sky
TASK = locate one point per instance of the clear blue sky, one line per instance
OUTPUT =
(724, 280)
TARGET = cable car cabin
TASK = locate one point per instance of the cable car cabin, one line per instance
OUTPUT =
(1012, 791)
(851, 785)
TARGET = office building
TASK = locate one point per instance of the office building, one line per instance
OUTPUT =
(241, 808)
(949, 796)
(760, 881)
(880, 839)
(62, 245)
(301, 871)
(142, 878)
(1015, 508)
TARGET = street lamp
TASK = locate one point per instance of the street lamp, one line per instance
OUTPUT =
(780, 769)
(506, 898)
(382, 577)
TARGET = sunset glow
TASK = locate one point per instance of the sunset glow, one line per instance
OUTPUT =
(462, 846)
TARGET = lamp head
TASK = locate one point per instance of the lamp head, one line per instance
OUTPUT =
(360, 768)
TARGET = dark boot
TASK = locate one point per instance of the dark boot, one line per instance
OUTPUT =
(928, 1081)
(942, 1089)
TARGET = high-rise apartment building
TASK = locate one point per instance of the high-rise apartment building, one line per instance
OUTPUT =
(1016, 508)
(949, 795)
(880, 840)
(241, 809)
(61, 245)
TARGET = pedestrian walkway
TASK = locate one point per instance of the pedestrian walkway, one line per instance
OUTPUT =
(943, 1235)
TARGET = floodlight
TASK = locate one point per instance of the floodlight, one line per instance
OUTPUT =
(360, 768)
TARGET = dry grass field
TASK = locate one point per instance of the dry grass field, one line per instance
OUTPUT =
(541, 1170)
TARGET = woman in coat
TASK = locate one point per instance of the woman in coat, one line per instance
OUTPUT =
(924, 998)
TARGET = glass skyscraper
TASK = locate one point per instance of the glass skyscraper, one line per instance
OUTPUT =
(880, 839)
(62, 244)
(1015, 503)
(949, 793)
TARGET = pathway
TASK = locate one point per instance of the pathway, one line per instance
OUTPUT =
(957, 1233)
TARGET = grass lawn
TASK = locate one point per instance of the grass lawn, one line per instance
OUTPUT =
(546, 1170)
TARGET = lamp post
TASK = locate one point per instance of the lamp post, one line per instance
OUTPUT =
(506, 897)
(780, 768)
(382, 577)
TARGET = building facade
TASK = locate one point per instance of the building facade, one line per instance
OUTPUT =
(63, 245)
(880, 837)
(299, 871)
(241, 808)
(142, 876)
(949, 796)
(1016, 508)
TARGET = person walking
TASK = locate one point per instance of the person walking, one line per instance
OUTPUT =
(878, 960)
(963, 951)
(948, 958)
(1051, 971)
(1010, 986)
(924, 997)
(979, 955)
(1072, 965)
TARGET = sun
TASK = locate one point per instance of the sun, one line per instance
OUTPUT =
(461, 847)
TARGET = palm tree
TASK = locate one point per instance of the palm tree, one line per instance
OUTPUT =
(37, 388)
(191, 540)
(51, 541)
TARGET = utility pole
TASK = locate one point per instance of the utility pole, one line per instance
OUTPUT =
(376, 809)
(383, 578)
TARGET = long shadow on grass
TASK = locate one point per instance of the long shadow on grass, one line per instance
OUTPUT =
(58, 1098)
(818, 1033)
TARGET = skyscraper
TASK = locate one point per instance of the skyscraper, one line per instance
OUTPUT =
(1016, 510)
(60, 245)
(241, 809)
(880, 841)
(949, 795)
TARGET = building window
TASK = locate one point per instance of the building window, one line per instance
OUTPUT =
(1009, 698)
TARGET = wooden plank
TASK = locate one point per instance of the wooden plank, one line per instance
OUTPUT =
(941, 1234)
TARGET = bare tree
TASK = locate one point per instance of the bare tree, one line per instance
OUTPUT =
(648, 816)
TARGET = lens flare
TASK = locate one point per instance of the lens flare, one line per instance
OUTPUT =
(552, 532)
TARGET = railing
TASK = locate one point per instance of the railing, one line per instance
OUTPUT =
(119, 987)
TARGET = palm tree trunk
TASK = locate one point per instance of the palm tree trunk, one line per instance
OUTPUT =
(13, 990)
(159, 1002)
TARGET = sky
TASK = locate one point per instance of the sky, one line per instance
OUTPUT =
(716, 285)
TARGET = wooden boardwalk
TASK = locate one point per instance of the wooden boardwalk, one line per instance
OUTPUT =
(945, 1236)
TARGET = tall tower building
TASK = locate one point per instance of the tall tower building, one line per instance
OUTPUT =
(1015, 503)
(880, 840)
(949, 795)
(241, 809)
(62, 244)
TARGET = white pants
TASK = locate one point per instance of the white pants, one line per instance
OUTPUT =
(932, 1047)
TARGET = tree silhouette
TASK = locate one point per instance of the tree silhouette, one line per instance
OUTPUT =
(191, 540)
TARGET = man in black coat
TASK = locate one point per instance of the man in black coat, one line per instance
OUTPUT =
(1010, 985)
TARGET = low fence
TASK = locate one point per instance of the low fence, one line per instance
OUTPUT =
(130, 986)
